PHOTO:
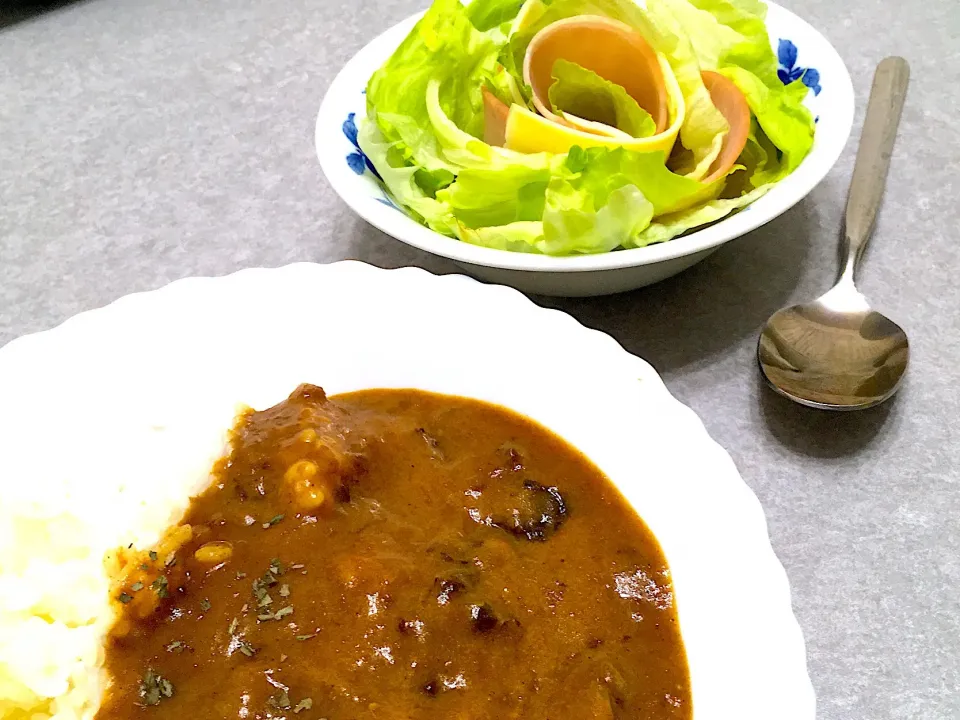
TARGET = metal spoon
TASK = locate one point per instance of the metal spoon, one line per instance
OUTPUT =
(836, 353)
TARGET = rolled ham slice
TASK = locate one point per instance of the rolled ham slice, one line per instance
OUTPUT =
(733, 106)
(612, 49)
(495, 113)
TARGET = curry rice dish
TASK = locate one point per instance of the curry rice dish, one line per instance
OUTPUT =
(397, 554)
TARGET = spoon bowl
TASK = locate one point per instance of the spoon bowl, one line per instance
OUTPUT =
(836, 353)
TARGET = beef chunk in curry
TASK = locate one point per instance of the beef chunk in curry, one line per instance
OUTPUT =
(397, 554)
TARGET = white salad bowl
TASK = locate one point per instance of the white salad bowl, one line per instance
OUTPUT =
(802, 52)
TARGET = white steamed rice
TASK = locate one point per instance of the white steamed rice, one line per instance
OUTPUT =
(66, 502)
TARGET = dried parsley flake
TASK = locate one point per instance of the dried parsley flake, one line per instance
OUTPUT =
(154, 688)
(161, 587)
(246, 648)
(272, 521)
(280, 701)
(304, 704)
(278, 615)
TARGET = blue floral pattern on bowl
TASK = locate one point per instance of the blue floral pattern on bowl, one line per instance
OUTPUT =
(789, 71)
(360, 163)
(357, 160)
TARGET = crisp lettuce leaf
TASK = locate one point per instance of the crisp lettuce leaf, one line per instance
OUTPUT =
(760, 166)
(602, 198)
(764, 163)
(464, 150)
(516, 237)
(483, 197)
(730, 36)
(600, 171)
(583, 93)
(492, 14)
(400, 180)
(444, 48)
(670, 226)
(569, 226)
(626, 11)
(589, 201)
(573, 224)
(780, 113)
(712, 35)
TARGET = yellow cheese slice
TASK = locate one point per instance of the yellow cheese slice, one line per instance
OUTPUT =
(530, 12)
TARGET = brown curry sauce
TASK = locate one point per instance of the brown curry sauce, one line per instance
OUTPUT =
(397, 554)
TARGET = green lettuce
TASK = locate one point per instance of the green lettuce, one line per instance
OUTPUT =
(401, 181)
(516, 237)
(593, 201)
(483, 197)
(760, 165)
(448, 50)
(492, 14)
(574, 224)
(730, 37)
(667, 227)
(583, 93)
(425, 118)
(601, 198)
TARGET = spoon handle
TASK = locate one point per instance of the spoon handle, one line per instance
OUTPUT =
(873, 157)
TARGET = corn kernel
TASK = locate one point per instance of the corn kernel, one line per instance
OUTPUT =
(214, 552)
(311, 498)
(308, 436)
(301, 472)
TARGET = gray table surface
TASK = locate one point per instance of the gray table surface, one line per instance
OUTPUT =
(141, 142)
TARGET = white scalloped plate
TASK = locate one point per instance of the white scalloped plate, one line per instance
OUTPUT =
(799, 47)
(164, 371)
